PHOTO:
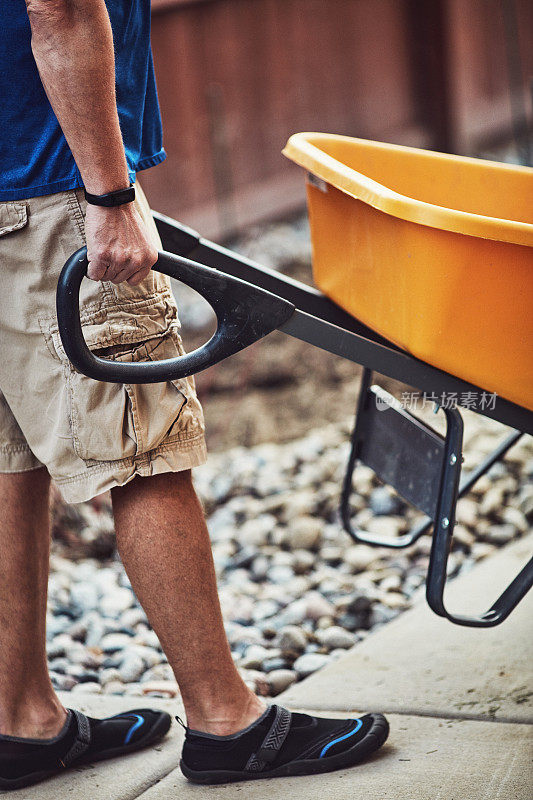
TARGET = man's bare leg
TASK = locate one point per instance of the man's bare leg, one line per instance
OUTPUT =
(164, 544)
(29, 706)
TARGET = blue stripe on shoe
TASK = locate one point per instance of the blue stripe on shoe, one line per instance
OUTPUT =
(134, 727)
(341, 738)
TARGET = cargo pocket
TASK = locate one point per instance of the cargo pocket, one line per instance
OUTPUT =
(112, 421)
(13, 217)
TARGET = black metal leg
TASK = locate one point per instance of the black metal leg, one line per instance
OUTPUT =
(373, 431)
(443, 532)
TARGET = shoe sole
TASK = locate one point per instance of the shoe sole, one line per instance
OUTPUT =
(374, 739)
(156, 732)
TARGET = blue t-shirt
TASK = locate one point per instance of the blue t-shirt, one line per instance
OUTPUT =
(35, 158)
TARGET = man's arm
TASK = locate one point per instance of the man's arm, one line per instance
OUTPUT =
(73, 47)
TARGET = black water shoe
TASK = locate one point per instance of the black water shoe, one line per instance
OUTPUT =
(281, 743)
(81, 740)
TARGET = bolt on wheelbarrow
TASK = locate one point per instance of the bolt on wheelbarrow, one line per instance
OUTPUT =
(251, 301)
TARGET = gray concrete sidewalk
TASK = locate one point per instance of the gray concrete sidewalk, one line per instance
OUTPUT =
(422, 664)
(459, 702)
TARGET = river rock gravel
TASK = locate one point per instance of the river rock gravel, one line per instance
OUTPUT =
(295, 590)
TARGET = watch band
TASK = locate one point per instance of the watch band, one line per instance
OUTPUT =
(117, 198)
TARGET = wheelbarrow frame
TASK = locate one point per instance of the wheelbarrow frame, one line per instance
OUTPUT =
(250, 301)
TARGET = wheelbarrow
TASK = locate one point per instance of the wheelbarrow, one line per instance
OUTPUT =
(424, 269)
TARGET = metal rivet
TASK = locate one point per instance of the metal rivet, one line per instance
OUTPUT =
(453, 459)
(445, 522)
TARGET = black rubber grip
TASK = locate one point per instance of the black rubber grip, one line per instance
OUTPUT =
(244, 314)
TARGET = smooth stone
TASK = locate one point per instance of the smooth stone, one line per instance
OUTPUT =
(525, 504)
(78, 631)
(391, 583)
(501, 534)
(332, 554)
(114, 687)
(149, 656)
(96, 630)
(272, 663)
(259, 568)
(59, 646)
(63, 682)
(482, 550)
(112, 642)
(363, 479)
(360, 557)
(280, 574)
(133, 690)
(148, 638)
(132, 617)
(383, 503)
(336, 637)
(317, 606)
(256, 532)
(86, 658)
(492, 501)
(281, 679)
(116, 602)
(269, 630)
(309, 663)
(305, 533)
(349, 622)
(380, 615)
(238, 577)
(132, 668)
(463, 536)
(467, 512)
(87, 687)
(109, 675)
(106, 579)
(300, 504)
(161, 688)
(243, 559)
(82, 675)
(84, 597)
(161, 672)
(396, 600)
(499, 469)
(264, 609)
(388, 527)
(56, 625)
(85, 571)
(59, 665)
(254, 657)
(298, 586)
(513, 516)
(295, 613)
(303, 561)
(291, 640)
(330, 586)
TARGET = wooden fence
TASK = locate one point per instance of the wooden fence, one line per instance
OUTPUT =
(237, 77)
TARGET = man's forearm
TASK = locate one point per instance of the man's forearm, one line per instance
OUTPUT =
(73, 47)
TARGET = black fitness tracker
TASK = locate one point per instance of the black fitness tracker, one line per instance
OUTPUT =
(117, 198)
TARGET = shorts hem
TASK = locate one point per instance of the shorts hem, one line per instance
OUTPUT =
(176, 456)
(17, 458)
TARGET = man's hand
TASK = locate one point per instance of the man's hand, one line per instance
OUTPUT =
(118, 247)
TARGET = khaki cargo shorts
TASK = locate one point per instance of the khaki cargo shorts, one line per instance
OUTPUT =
(90, 435)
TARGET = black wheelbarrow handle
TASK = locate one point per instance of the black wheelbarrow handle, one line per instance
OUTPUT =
(244, 314)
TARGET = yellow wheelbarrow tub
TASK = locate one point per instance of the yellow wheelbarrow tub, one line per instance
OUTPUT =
(432, 251)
